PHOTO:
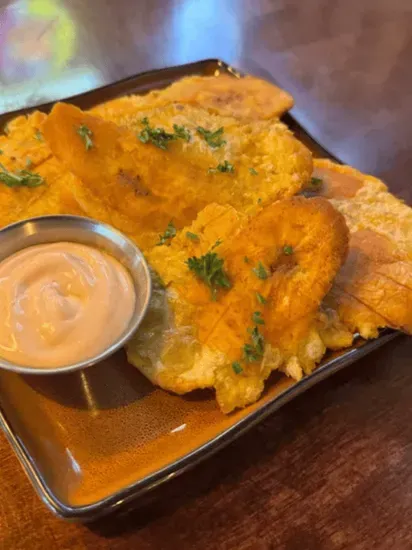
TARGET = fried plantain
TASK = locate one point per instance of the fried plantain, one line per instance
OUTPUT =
(280, 265)
(247, 98)
(148, 185)
(373, 289)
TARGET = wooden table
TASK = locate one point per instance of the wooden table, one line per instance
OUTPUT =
(333, 469)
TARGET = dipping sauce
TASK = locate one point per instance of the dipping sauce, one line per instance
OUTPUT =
(61, 303)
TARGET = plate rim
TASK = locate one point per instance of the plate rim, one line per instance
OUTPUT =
(4, 117)
(134, 490)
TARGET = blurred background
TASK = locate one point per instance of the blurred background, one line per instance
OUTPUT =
(346, 62)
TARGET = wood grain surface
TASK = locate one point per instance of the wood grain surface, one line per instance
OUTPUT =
(332, 469)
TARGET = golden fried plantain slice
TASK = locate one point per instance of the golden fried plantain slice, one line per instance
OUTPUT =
(60, 195)
(147, 185)
(57, 195)
(23, 141)
(267, 160)
(13, 204)
(373, 289)
(20, 150)
(23, 149)
(244, 98)
(280, 265)
(379, 278)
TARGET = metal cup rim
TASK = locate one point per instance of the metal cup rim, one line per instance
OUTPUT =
(126, 248)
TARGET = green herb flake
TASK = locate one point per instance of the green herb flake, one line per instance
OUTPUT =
(217, 243)
(20, 178)
(246, 260)
(257, 318)
(168, 235)
(253, 172)
(181, 132)
(209, 269)
(28, 162)
(316, 182)
(260, 271)
(157, 136)
(38, 135)
(237, 367)
(257, 340)
(287, 250)
(254, 351)
(261, 299)
(213, 139)
(1, 151)
(259, 201)
(192, 236)
(86, 134)
(249, 353)
(225, 167)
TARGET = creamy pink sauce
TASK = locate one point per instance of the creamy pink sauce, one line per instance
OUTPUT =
(61, 303)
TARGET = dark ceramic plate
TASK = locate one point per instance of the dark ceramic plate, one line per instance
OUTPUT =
(93, 441)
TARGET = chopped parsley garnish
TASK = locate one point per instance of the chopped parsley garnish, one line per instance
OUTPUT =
(257, 339)
(249, 353)
(217, 243)
(160, 137)
(246, 260)
(316, 182)
(20, 178)
(192, 236)
(1, 151)
(225, 167)
(260, 271)
(209, 269)
(259, 201)
(254, 351)
(86, 134)
(257, 318)
(38, 135)
(157, 136)
(168, 235)
(181, 132)
(237, 367)
(213, 139)
(261, 299)
(28, 162)
(253, 172)
(287, 250)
